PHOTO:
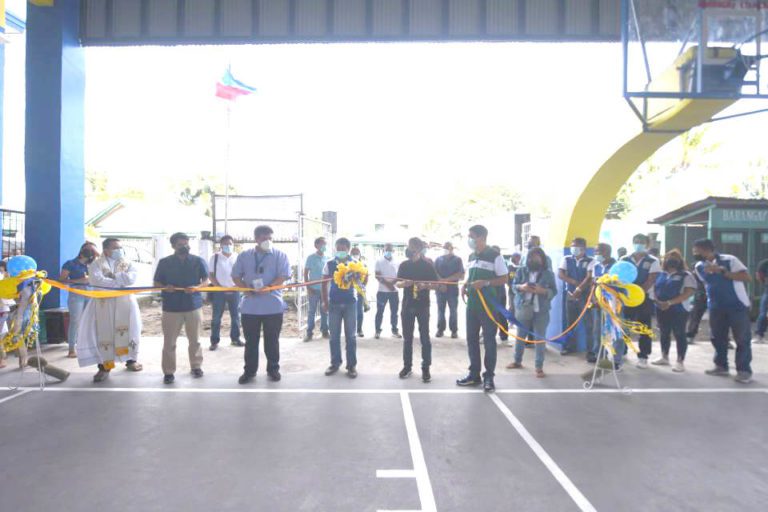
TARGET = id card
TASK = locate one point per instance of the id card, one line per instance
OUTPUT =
(257, 284)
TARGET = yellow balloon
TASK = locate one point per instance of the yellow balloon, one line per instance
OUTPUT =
(45, 288)
(8, 288)
(634, 295)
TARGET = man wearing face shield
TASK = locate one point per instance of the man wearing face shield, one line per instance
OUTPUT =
(110, 329)
(262, 267)
(181, 308)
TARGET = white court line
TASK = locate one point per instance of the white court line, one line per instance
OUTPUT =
(369, 391)
(395, 473)
(16, 395)
(581, 501)
(426, 496)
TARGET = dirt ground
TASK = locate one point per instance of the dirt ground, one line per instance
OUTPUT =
(151, 313)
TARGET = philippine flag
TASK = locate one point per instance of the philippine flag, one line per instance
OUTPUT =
(230, 89)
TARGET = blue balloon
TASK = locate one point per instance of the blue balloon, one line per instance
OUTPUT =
(19, 264)
(624, 271)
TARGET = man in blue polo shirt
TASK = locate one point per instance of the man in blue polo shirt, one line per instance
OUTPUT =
(181, 308)
(313, 271)
(574, 272)
(648, 269)
(449, 267)
(341, 306)
(262, 267)
(728, 301)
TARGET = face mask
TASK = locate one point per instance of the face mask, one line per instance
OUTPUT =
(639, 247)
(183, 250)
(600, 258)
(472, 243)
(446, 252)
(424, 251)
(534, 265)
(322, 249)
(356, 257)
(117, 254)
(408, 253)
(265, 245)
(674, 264)
(577, 251)
(388, 255)
(342, 255)
(226, 249)
(699, 257)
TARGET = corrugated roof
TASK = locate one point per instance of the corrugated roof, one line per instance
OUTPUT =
(712, 202)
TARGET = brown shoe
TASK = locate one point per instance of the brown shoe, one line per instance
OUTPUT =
(133, 366)
(514, 366)
(540, 373)
(101, 376)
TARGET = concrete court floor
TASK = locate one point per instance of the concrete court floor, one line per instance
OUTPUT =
(311, 443)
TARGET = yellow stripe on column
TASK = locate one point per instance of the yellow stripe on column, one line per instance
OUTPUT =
(2, 16)
(42, 3)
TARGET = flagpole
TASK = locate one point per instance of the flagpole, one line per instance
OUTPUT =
(227, 162)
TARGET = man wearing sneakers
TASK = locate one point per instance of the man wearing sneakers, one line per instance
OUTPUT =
(313, 271)
(413, 273)
(487, 271)
(648, 269)
(341, 306)
(386, 275)
(725, 277)
(449, 267)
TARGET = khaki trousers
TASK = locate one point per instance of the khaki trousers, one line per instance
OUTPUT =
(172, 323)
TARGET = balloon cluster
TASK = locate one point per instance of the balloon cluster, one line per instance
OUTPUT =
(21, 269)
(619, 284)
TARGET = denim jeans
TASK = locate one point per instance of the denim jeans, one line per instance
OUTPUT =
(338, 315)
(582, 334)
(452, 301)
(314, 303)
(360, 312)
(382, 299)
(76, 305)
(723, 320)
(230, 301)
(410, 317)
(694, 318)
(475, 320)
(673, 322)
(762, 317)
(538, 323)
(643, 314)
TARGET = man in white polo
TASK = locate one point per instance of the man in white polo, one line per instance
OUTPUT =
(386, 275)
(220, 267)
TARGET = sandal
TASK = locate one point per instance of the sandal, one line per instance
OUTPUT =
(540, 373)
(514, 366)
(72, 354)
(101, 376)
(134, 367)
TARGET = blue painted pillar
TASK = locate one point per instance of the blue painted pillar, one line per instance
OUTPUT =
(2, 97)
(55, 187)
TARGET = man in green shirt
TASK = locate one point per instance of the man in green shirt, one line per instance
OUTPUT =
(487, 271)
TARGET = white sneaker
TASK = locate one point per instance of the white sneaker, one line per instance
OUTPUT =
(679, 367)
(642, 364)
(759, 339)
(662, 361)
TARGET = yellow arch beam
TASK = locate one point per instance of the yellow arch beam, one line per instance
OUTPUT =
(584, 216)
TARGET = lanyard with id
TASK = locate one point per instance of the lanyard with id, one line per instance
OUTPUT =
(258, 282)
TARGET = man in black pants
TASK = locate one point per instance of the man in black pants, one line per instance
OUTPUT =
(416, 306)
(699, 308)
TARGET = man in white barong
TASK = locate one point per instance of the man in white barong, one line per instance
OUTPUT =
(110, 329)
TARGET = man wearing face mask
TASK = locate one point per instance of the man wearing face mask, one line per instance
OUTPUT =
(413, 274)
(534, 241)
(110, 330)
(574, 272)
(487, 270)
(725, 277)
(182, 308)
(449, 267)
(648, 269)
(386, 275)
(362, 307)
(341, 307)
(262, 267)
(601, 265)
(75, 274)
(220, 266)
(313, 271)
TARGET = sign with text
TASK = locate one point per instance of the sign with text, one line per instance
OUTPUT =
(740, 218)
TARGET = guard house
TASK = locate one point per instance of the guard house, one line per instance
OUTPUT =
(737, 226)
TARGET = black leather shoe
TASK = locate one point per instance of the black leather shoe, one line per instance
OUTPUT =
(352, 373)
(197, 373)
(469, 380)
(213, 347)
(454, 335)
(168, 379)
(489, 386)
(425, 375)
(237, 343)
(274, 376)
(439, 334)
(245, 378)
(405, 373)
(331, 370)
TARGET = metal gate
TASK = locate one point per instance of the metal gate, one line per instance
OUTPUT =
(309, 230)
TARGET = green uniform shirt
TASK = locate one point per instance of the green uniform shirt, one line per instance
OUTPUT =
(486, 266)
